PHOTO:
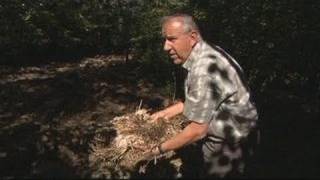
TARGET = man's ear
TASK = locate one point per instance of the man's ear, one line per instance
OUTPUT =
(194, 37)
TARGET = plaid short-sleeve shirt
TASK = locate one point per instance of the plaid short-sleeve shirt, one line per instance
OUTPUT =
(216, 93)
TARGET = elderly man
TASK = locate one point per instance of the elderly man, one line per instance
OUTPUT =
(217, 99)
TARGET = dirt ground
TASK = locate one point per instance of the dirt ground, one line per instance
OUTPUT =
(50, 113)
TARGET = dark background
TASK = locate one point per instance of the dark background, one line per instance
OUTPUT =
(276, 43)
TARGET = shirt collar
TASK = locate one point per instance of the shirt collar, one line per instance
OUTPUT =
(194, 53)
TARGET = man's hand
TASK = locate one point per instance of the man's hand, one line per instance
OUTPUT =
(155, 117)
(149, 155)
(168, 112)
(146, 158)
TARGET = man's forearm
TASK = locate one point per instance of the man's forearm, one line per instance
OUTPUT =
(192, 133)
(173, 110)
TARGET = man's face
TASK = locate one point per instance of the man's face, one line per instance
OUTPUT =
(178, 43)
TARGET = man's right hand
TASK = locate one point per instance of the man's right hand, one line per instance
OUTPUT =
(155, 117)
(168, 112)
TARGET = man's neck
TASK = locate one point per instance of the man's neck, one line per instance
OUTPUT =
(192, 56)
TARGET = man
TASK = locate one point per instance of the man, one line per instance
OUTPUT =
(217, 100)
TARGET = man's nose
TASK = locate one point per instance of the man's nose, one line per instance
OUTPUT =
(166, 46)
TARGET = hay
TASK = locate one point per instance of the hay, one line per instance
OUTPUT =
(134, 135)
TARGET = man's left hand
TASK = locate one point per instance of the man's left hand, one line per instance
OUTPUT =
(151, 154)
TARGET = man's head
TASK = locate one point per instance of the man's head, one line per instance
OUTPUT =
(181, 34)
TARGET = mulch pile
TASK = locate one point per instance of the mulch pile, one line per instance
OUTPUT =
(118, 151)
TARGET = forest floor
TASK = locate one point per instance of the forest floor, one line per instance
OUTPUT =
(49, 113)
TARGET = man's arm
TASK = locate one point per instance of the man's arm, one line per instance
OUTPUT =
(191, 133)
(169, 112)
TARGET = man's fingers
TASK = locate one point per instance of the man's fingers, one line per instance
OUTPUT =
(153, 118)
(147, 156)
(156, 116)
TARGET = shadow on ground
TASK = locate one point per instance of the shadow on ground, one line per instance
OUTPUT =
(49, 114)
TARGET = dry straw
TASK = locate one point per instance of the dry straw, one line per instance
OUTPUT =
(133, 134)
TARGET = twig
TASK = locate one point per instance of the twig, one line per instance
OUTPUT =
(137, 147)
(142, 169)
(117, 158)
(140, 104)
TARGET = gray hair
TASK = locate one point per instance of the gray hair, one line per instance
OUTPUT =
(188, 21)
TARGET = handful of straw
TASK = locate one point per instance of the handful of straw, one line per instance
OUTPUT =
(133, 135)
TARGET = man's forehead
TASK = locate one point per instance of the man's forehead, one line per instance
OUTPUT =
(172, 28)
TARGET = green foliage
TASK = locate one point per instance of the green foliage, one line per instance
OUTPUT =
(275, 41)
(148, 42)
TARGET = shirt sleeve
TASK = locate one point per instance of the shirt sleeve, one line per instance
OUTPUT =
(204, 95)
(199, 104)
